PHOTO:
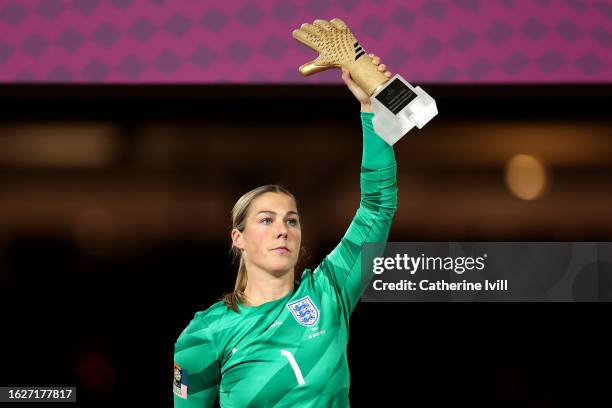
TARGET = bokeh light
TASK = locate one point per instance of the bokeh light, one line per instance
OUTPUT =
(527, 177)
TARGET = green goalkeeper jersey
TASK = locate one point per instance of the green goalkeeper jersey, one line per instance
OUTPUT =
(291, 352)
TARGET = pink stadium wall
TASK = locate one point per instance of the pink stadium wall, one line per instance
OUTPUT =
(197, 41)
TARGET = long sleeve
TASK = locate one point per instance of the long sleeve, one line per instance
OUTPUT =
(372, 221)
(196, 367)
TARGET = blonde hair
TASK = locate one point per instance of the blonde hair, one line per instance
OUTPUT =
(239, 215)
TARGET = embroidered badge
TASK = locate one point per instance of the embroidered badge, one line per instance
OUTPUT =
(180, 381)
(304, 311)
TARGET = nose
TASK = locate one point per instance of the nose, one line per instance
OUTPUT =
(282, 231)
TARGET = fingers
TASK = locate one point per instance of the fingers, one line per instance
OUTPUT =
(339, 24)
(381, 67)
(304, 37)
(346, 77)
(375, 59)
(312, 68)
(323, 25)
(309, 28)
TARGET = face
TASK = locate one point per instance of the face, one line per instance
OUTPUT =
(272, 235)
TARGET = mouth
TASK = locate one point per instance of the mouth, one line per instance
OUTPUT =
(281, 249)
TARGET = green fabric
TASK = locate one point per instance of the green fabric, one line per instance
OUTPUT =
(237, 356)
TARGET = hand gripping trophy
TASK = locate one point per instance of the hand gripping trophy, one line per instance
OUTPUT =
(397, 105)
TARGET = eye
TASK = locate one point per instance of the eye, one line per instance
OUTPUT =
(266, 221)
(292, 221)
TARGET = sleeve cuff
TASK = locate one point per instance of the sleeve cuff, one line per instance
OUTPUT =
(367, 115)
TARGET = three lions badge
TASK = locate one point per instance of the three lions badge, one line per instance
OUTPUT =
(304, 311)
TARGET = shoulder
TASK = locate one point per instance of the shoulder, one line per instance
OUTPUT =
(196, 347)
(216, 311)
(317, 279)
(207, 319)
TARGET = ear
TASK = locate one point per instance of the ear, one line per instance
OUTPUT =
(237, 239)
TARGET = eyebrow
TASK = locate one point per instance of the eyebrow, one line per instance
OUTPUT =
(272, 212)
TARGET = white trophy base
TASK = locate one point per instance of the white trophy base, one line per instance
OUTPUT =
(390, 126)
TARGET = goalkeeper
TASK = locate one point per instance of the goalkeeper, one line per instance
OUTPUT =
(275, 341)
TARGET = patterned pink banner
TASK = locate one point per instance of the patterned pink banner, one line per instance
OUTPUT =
(196, 41)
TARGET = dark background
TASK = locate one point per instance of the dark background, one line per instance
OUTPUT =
(114, 231)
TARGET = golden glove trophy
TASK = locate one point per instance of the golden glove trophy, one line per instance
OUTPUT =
(397, 105)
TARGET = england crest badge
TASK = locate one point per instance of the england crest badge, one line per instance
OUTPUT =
(304, 311)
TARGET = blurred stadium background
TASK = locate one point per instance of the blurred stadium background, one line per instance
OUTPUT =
(129, 128)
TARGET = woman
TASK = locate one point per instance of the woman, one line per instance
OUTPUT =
(274, 341)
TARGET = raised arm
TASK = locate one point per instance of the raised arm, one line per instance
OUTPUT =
(377, 206)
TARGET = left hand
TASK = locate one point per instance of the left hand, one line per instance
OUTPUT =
(359, 93)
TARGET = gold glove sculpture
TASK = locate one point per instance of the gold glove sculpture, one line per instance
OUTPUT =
(338, 48)
(397, 105)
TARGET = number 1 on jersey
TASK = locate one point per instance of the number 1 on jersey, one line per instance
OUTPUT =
(294, 365)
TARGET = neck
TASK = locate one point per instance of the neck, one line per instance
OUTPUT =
(265, 287)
